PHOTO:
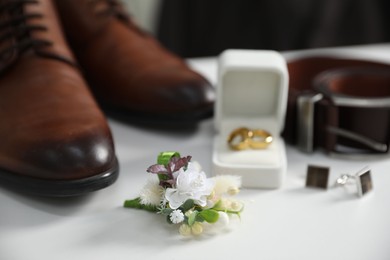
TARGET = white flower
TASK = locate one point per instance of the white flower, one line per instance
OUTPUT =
(188, 213)
(151, 193)
(190, 184)
(237, 205)
(176, 216)
(230, 205)
(223, 219)
(185, 230)
(197, 228)
(229, 184)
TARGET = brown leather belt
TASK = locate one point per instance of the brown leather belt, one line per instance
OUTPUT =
(341, 105)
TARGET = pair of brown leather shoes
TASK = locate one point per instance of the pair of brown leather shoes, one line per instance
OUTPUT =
(55, 140)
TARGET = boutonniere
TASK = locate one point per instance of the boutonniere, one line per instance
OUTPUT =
(182, 192)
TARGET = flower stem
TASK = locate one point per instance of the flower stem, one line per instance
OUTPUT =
(136, 204)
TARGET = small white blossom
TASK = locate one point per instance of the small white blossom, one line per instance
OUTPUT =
(176, 216)
(232, 205)
(233, 191)
(225, 204)
(227, 184)
(151, 193)
(185, 230)
(190, 184)
(188, 213)
(197, 228)
(237, 205)
(223, 219)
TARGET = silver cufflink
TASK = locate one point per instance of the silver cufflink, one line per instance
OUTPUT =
(362, 180)
(317, 177)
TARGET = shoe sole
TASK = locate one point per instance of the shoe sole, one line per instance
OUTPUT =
(59, 188)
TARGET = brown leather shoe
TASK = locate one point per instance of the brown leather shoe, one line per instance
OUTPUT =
(127, 70)
(55, 140)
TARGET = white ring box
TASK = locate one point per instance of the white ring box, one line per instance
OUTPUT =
(251, 92)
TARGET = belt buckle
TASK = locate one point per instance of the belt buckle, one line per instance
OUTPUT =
(305, 123)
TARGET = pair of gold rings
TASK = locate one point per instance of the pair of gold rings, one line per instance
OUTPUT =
(244, 138)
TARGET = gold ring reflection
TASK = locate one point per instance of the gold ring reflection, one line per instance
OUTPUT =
(243, 138)
(260, 139)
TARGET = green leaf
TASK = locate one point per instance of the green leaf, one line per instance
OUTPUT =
(189, 204)
(164, 157)
(166, 211)
(199, 218)
(209, 215)
(136, 204)
(192, 217)
(169, 219)
(162, 177)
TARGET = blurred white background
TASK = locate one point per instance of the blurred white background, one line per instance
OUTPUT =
(145, 12)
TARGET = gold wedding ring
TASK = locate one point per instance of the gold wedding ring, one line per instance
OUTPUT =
(238, 139)
(260, 139)
(244, 138)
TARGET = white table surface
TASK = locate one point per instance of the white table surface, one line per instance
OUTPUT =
(292, 222)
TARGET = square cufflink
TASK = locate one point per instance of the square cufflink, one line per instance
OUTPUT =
(317, 177)
(362, 180)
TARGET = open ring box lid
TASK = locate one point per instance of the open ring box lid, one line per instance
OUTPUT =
(252, 93)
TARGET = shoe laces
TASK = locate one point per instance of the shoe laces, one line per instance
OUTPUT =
(17, 31)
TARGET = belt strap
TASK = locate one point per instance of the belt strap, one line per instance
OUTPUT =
(341, 105)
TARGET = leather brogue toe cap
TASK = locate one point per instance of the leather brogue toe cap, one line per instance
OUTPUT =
(72, 159)
(186, 96)
(63, 168)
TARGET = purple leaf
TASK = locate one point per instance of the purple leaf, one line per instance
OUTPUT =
(157, 168)
(176, 163)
